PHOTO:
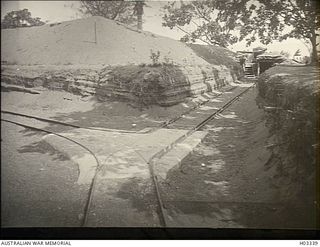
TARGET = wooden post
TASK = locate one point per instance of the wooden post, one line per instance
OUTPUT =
(138, 11)
(95, 33)
(139, 26)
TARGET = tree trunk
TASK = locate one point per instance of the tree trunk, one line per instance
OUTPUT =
(139, 26)
(138, 10)
(314, 55)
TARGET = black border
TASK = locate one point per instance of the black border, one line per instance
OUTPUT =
(156, 234)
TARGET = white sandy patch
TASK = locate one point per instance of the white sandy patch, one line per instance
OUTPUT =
(231, 115)
(241, 85)
(207, 108)
(188, 117)
(279, 74)
(47, 102)
(216, 165)
(218, 129)
(207, 151)
(220, 183)
(215, 100)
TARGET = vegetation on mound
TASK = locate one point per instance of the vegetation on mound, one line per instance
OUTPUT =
(218, 56)
(143, 84)
(291, 103)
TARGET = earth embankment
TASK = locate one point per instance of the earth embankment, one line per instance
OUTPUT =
(290, 98)
(69, 56)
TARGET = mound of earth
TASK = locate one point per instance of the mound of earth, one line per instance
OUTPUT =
(102, 57)
(74, 42)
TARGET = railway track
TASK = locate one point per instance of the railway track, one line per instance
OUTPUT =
(151, 162)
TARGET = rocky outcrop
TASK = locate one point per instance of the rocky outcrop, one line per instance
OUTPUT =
(78, 81)
(162, 84)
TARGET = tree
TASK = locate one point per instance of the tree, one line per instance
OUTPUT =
(127, 12)
(20, 18)
(223, 23)
(211, 20)
(121, 11)
(282, 19)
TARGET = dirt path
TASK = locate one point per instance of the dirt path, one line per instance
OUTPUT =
(27, 157)
(226, 182)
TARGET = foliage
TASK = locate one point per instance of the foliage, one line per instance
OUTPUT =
(279, 20)
(292, 115)
(20, 18)
(224, 23)
(122, 11)
(155, 57)
(211, 19)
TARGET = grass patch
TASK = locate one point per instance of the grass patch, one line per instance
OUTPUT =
(218, 56)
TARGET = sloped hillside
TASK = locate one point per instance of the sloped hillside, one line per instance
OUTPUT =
(102, 57)
(218, 56)
(73, 42)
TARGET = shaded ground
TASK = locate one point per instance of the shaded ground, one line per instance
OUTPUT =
(88, 112)
(227, 181)
(39, 181)
(32, 175)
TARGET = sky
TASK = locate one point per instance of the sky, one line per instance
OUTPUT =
(58, 11)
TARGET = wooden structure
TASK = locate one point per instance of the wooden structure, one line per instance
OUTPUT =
(257, 61)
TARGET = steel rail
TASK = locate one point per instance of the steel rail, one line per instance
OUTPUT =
(94, 179)
(88, 203)
(151, 161)
(162, 217)
(161, 153)
(163, 125)
(66, 124)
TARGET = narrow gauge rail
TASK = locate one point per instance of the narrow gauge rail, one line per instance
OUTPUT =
(151, 162)
(162, 125)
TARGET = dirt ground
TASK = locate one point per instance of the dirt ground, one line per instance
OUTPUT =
(225, 183)
(88, 111)
(32, 173)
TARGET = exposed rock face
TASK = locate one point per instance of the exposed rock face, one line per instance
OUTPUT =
(162, 85)
(79, 81)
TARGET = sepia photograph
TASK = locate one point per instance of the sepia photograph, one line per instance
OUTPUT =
(160, 114)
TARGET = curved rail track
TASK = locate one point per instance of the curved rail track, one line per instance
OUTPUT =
(151, 162)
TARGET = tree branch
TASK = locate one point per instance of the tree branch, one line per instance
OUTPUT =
(201, 14)
(191, 35)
